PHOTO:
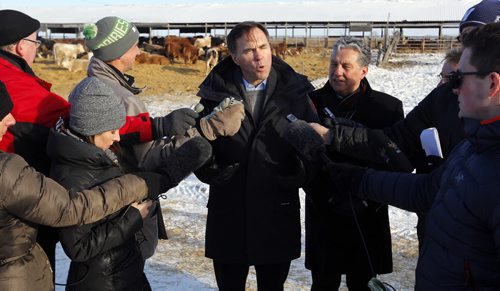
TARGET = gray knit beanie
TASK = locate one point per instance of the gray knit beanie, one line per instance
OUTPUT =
(95, 108)
(110, 37)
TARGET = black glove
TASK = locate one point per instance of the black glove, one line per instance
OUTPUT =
(391, 157)
(213, 174)
(305, 140)
(369, 145)
(176, 122)
(346, 177)
(432, 163)
(157, 183)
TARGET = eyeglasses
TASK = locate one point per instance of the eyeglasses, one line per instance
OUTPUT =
(442, 76)
(37, 42)
(455, 78)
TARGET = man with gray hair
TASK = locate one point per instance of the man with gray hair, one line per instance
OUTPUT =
(336, 232)
(438, 109)
(450, 64)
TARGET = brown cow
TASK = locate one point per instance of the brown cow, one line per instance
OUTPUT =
(145, 58)
(280, 49)
(174, 47)
(172, 51)
(182, 41)
(191, 54)
(295, 51)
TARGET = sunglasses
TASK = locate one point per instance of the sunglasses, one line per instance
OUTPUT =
(455, 78)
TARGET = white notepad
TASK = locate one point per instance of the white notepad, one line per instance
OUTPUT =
(430, 142)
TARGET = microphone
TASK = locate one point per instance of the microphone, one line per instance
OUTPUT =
(307, 142)
(198, 108)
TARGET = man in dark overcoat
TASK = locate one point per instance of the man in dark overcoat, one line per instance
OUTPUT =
(342, 238)
(255, 175)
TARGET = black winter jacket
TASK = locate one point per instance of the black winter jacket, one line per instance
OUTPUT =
(461, 249)
(104, 255)
(254, 217)
(332, 237)
(439, 109)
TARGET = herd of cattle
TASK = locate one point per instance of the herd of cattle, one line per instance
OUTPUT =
(73, 55)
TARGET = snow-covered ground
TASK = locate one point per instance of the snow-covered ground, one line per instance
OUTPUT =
(179, 263)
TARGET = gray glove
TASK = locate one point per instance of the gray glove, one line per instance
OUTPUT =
(224, 120)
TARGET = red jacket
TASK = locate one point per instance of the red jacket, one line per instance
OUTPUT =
(36, 110)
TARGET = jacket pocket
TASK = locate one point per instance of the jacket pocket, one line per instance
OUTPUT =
(288, 206)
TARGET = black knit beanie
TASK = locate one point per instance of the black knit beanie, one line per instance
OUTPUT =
(15, 25)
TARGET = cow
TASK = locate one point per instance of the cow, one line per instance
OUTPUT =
(203, 42)
(75, 65)
(172, 51)
(295, 51)
(153, 48)
(182, 41)
(217, 40)
(45, 49)
(223, 51)
(158, 40)
(145, 58)
(212, 59)
(62, 51)
(280, 49)
(174, 47)
(70, 40)
(191, 54)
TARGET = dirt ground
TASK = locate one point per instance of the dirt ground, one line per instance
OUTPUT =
(173, 79)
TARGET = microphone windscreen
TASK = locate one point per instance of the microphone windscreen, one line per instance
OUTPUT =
(187, 158)
(304, 139)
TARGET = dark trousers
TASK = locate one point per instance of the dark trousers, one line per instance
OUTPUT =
(420, 230)
(327, 281)
(233, 277)
(47, 238)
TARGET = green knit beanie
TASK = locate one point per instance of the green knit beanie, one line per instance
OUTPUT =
(110, 37)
